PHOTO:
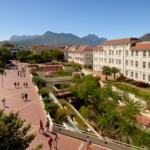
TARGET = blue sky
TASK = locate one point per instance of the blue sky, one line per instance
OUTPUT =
(111, 19)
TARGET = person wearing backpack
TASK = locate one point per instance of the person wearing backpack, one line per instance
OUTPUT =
(50, 142)
(26, 96)
(47, 124)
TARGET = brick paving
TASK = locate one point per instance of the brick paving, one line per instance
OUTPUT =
(32, 111)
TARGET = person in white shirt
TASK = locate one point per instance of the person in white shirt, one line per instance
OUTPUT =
(88, 142)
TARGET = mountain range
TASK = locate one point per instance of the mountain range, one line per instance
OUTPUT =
(145, 37)
(54, 39)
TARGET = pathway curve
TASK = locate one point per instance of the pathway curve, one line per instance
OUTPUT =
(32, 111)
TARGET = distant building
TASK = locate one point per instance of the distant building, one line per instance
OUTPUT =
(38, 49)
(79, 54)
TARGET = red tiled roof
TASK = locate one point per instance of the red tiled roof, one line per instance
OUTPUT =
(140, 46)
(122, 40)
(39, 48)
(99, 47)
(81, 48)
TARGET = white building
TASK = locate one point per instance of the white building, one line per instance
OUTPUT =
(79, 54)
(130, 55)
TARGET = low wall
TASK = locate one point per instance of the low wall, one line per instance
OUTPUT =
(98, 141)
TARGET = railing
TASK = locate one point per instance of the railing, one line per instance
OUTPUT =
(99, 140)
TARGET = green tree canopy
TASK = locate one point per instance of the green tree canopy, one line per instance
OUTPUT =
(106, 70)
(114, 70)
(5, 55)
(63, 73)
(57, 54)
(7, 45)
(13, 135)
(77, 67)
(34, 56)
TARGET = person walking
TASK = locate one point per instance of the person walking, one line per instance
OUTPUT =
(24, 74)
(47, 124)
(88, 142)
(18, 84)
(26, 96)
(26, 84)
(15, 84)
(4, 100)
(22, 96)
(41, 126)
(50, 142)
(55, 141)
(18, 73)
(5, 73)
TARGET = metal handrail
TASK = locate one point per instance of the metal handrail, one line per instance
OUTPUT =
(104, 138)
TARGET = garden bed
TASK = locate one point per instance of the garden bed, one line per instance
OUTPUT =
(127, 88)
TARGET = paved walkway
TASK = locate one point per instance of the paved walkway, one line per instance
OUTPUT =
(32, 111)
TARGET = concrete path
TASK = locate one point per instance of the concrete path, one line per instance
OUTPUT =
(32, 111)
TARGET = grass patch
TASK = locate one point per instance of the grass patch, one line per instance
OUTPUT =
(77, 118)
(129, 89)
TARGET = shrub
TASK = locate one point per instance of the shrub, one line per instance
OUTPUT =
(122, 78)
(33, 72)
(38, 81)
(51, 108)
(48, 76)
(118, 79)
(82, 74)
(62, 73)
(32, 62)
(43, 92)
(130, 80)
(140, 84)
(126, 80)
(47, 100)
(27, 60)
(61, 115)
(89, 66)
(133, 82)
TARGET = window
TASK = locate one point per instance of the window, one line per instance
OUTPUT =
(119, 61)
(109, 60)
(99, 59)
(127, 53)
(132, 53)
(112, 61)
(126, 73)
(137, 53)
(136, 75)
(136, 63)
(127, 63)
(132, 74)
(149, 53)
(116, 52)
(144, 54)
(102, 59)
(116, 61)
(148, 77)
(149, 65)
(132, 64)
(144, 76)
(105, 59)
(110, 52)
(144, 64)
(120, 52)
(105, 52)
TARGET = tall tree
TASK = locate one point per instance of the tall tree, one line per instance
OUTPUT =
(7, 45)
(5, 55)
(114, 70)
(106, 70)
(13, 135)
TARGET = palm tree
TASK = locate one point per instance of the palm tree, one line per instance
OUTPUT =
(114, 70)
(106, 70)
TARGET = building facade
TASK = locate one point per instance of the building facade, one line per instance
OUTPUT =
(79, 54)
(130, 55)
